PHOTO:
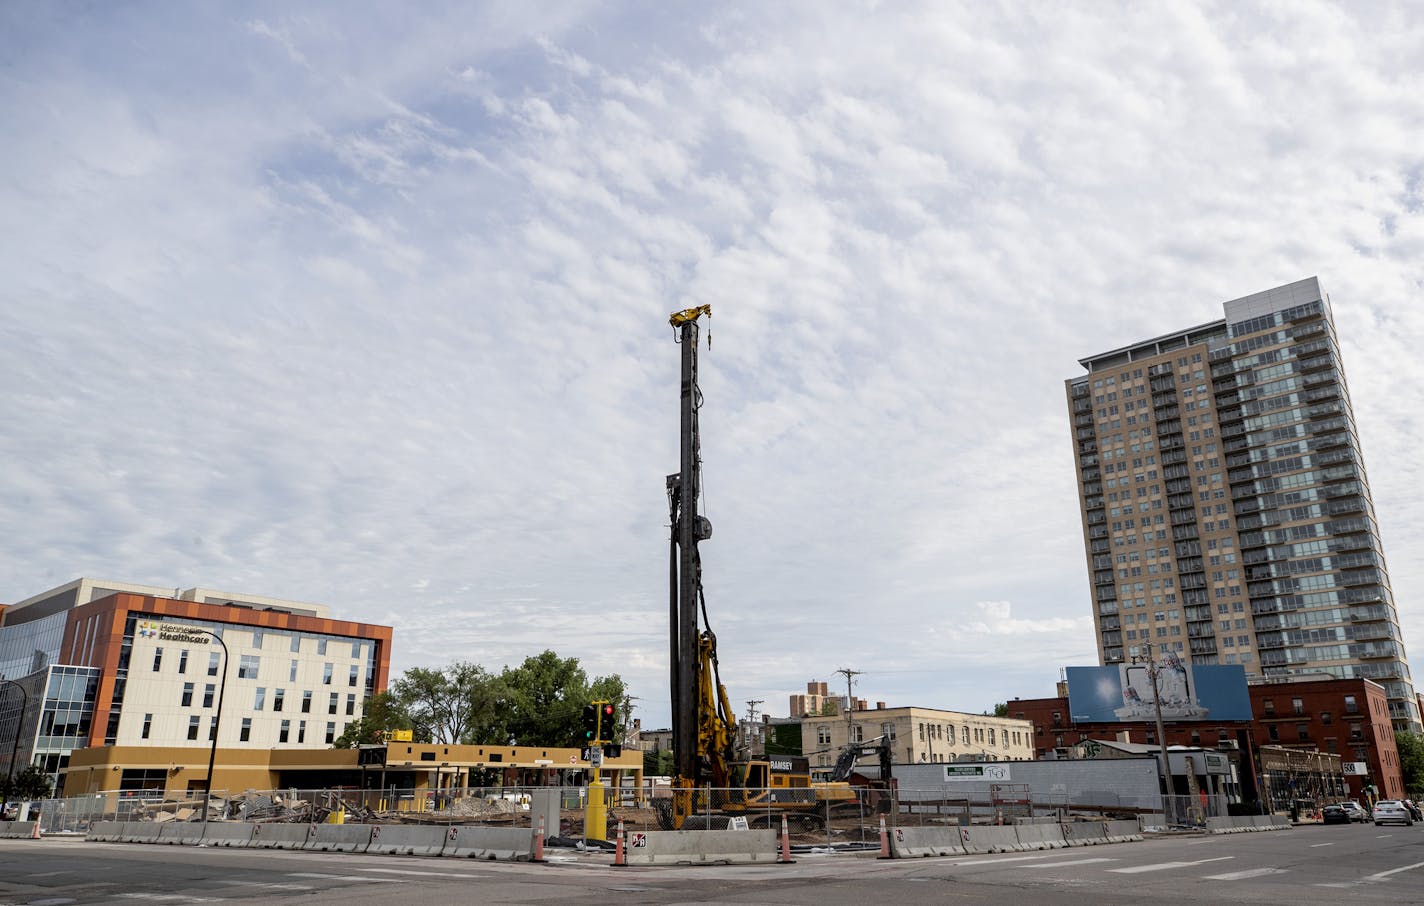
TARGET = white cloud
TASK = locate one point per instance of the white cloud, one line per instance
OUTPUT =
(371, 309)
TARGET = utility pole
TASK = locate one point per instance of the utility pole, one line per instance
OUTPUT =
(850, 701)
(751, 725)
(1152, 669)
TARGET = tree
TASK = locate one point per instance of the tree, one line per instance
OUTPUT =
(381, 714)
(659, 763)
(31, 783)
(1001, 709)
(544, 698)
(537, 703)
(1411, 761)
(455, 704)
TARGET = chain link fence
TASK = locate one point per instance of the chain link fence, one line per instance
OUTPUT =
(812, 815)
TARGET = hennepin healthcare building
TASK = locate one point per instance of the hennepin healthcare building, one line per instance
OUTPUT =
(1226, 513)
(115, 664)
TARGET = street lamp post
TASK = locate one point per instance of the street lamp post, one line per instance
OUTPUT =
(1161, 731)
(217, 722)
(19, 725)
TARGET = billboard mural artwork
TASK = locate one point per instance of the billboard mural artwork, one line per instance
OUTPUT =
(1123, 693)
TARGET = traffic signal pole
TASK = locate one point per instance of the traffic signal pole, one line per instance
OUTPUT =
(595, 814)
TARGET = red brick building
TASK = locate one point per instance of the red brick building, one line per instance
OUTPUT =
(1348, 717)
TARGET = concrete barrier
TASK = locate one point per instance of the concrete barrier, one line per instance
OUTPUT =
(702, 847)
(1041, 836)
(1123, 832)
(1084, 833)
(406, 840)
(228, 833)
(140, 832)
(279, 836)
(339, 838)
(991, 839)
(180, 833)
(920, 842)
(17, 830)
(105, 831)
(510, 844)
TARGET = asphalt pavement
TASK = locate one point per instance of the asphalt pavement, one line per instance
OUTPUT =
(1305, 865)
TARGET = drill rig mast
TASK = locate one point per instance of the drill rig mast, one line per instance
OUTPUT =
(702, 728)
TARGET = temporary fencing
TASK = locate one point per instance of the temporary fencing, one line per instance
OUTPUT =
(814, 815)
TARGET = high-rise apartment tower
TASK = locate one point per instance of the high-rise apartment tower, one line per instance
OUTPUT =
(1226, 513)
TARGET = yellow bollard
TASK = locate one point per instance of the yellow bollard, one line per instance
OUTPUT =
(595, 814)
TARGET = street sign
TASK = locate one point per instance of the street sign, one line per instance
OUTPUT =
(976, 772)
(639, 839)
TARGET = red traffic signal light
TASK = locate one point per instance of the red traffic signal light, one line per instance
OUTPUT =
(607, 722)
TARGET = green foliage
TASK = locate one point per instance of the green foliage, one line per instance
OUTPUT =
(31, 783)
(545, 696)
(1411, 761)
(381, 713)
(1001, 709)
(830, 708)
(658, 764)
(537, 703)
(454, 704)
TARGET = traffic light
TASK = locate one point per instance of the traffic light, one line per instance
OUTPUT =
(607, 722)
(588, 728)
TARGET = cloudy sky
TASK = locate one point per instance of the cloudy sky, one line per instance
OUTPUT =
(367, 305)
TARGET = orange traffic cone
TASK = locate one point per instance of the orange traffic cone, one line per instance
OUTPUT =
(884, 840)
(785, 844)
(35, 831)
(619, 856)
(539, 842)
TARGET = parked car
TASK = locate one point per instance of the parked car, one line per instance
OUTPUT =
(1391, 811)
(1357, 811)
(1335, 814)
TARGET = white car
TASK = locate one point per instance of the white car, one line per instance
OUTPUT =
(1388, 811)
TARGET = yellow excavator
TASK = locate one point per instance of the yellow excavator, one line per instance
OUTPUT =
(710, 785)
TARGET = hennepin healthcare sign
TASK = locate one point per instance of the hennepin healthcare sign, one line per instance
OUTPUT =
(172, 632)
(1185, 692)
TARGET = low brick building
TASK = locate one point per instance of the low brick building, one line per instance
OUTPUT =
(1346, 717)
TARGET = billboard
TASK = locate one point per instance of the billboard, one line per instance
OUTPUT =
(1123, 693)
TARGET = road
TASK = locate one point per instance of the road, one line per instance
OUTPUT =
(1305, 865)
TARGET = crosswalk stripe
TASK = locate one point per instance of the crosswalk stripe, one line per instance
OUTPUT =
(1393, 871)
(1011, 859)
(464, 875)
(1163, 866)
(1248, 873)
(313, 874)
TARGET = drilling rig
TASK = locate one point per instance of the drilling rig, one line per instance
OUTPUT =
(707, 780)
